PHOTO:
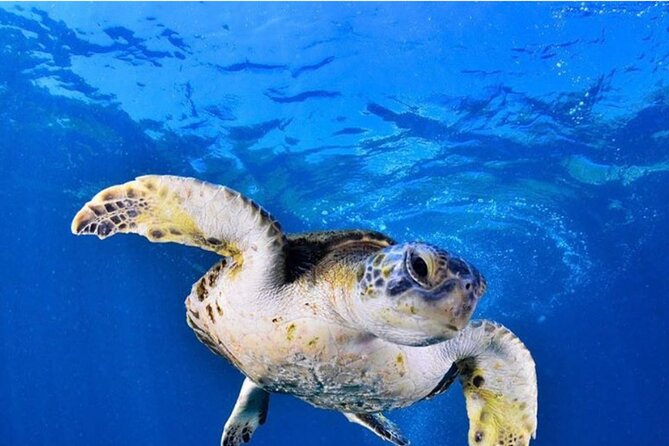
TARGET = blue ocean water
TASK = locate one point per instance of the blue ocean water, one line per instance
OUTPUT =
(532, 139)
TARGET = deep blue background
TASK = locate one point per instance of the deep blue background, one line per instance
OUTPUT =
(533, 139)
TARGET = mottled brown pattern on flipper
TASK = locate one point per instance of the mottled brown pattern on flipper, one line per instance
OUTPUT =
(186, 211)
(499, 382)
(305, 251)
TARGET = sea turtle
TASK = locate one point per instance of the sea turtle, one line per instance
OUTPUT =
(345, 320)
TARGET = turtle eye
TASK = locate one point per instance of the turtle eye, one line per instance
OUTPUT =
(418, 269)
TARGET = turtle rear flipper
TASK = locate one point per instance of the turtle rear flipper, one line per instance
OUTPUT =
(190, 212)
(250, 411)
(499, 381)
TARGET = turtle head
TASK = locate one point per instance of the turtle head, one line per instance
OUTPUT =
(417, 294)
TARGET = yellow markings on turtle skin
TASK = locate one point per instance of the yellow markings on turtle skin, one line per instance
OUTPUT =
(401, 366)
(290, 332)
(313, 342)
(145, 207)
(407, 308)
(164, 214)
(340, 276)
(392, 317)
(368, 292)
(494, 421)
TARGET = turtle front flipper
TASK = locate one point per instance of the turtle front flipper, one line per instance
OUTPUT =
(379, 425)
(250, 411)
(499, 381)
(190, 212)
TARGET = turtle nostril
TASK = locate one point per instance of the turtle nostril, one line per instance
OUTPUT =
(468, 286)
